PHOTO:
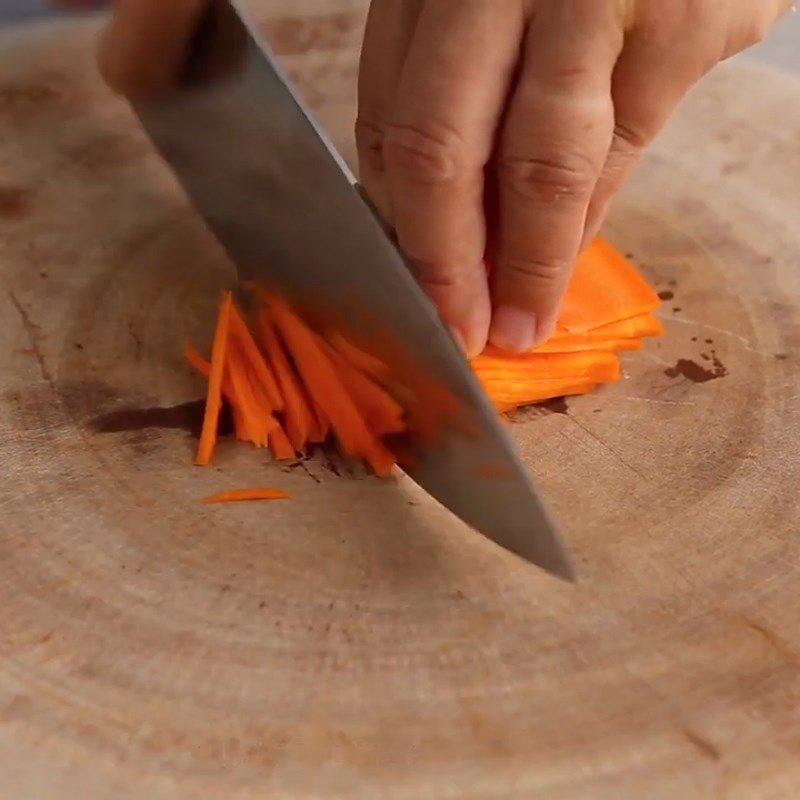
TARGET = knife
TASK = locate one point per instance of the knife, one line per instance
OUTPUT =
(290, 214)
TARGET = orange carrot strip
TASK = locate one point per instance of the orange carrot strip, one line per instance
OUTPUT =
(243, 495)
(208, 436)
(326, 388)
(280, 445)
(299, 418)
(204, 368)
(253, 356)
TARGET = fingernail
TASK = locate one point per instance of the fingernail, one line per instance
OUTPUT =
(513, 329)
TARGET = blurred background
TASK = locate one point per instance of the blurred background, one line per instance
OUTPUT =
(782, 49)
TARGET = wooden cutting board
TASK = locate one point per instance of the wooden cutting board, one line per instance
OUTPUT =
(357, 641)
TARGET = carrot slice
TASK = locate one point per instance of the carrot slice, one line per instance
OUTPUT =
(299, 418)
(280, 445)
(325, 386)
(244, 495)
(577, 343)
(254, 358)
(208, 436)
(641, 325)
(605, 288)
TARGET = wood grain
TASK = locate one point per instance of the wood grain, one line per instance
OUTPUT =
(357, 642)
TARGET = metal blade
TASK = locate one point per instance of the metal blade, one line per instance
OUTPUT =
(289, 213)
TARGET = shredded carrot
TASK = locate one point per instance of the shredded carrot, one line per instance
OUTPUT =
(289, 386)
(243, 495)
(208, 436)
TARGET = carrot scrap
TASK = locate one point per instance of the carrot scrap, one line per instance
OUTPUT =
(243, 495)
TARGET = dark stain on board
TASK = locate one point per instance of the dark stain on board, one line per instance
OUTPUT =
(184, 416)
(697, 373)
(14, 203)
(666, 295)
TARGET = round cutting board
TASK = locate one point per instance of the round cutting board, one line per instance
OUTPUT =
(357, 641)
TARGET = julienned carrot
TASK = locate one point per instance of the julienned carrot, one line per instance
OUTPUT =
(326, 388)
(243, 495)
(208, 436)
(298, 417)
(253, 357)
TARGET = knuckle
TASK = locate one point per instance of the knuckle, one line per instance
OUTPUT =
(549, 179)
(439, 276)
(370, 142)
(630, 139)
(423, 156)
(547, 272)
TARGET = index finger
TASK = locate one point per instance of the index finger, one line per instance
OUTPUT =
(449, 103)
(557, 134)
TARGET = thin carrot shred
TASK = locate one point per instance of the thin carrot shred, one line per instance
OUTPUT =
(298, 418)
(244, 495)
(280, 445)
(208, 436)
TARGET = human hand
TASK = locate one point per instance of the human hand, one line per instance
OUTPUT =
(541, 106)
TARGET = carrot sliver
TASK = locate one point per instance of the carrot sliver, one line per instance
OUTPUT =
(298, 417)
(208, 436)
(280, 446)
(254, 358)
(245, 495)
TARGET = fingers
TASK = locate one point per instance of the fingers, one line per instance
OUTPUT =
(390, 27)
(448, 106)
(655, 71)
(145, 45)
(556, 137)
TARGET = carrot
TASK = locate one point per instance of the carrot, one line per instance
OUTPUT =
(253, 357)
(243, 495)
(325, 386)
(208, 436)
(256, 416)
(299, 418)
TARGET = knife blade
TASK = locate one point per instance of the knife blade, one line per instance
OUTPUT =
(289, 213)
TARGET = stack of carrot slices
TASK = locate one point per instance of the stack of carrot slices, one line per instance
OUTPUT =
(289, 387)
